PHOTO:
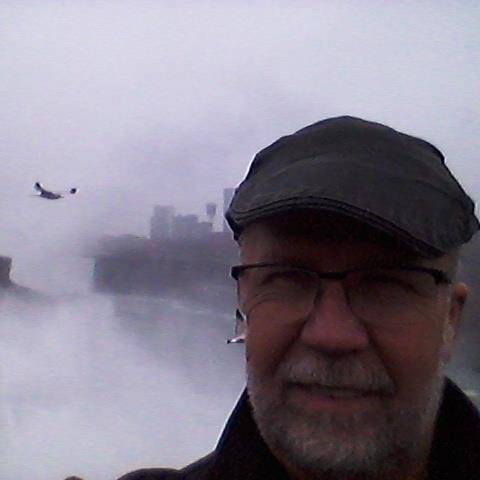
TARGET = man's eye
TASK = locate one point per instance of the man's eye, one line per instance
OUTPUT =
(278, 276)
(387, 281)
(381, 279)
(284, 277)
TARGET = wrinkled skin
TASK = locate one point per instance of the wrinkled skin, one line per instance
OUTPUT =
(389, 434)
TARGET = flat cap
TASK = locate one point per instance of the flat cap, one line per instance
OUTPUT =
(394, 182)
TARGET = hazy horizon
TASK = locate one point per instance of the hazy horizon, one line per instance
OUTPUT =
(143, 103)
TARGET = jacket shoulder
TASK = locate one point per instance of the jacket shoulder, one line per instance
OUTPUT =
(152, 474)
(197, 470)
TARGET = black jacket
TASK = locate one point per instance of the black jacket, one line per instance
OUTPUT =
(241, 454)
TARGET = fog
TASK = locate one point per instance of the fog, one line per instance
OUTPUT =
(138, 103)
(90, 393)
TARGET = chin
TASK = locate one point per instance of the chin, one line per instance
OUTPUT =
(322, 443)
(365, 443)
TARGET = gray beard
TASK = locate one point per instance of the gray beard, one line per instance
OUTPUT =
(368, 445)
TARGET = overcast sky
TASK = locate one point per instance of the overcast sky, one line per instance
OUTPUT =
(144, 102)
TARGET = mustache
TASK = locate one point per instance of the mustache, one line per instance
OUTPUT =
(342, 373)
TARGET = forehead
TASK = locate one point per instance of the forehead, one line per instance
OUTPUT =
(309, 234)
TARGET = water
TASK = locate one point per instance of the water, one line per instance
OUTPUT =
(96, 386)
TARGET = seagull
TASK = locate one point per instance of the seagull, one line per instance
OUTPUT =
(51, 195)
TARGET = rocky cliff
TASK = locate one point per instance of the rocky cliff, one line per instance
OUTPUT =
(5, 267)
(10, 288)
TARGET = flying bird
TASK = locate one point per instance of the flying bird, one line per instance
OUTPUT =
(43, 193)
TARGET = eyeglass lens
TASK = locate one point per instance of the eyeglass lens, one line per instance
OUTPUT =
(373, 295)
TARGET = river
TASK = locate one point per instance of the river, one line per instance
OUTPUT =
(97, 385)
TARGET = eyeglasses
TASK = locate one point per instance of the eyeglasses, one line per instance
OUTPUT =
(376, 295)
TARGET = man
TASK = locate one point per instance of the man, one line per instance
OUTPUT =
(350, 234)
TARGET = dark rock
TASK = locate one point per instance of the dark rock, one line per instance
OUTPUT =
(7, 286)
(5, 268)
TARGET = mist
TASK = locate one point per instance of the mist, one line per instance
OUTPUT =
(144, 103)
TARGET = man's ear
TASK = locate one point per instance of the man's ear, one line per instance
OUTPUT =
(458, 298)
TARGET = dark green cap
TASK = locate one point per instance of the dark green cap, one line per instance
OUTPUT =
(394, 182)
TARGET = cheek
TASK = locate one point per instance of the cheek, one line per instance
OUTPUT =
(265, 346)
(412, 357)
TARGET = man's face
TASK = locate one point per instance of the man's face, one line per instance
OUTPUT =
(330, 393)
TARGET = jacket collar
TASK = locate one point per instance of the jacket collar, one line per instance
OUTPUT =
(456, 446)
(241, 453)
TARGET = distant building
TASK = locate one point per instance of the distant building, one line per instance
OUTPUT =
(204, 229)
(165, 225)
(188, 226)
(161, 223)
(227, 198)
(184, 226)
(211, 211)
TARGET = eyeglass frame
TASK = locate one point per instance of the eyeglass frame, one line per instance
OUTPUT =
(440, 277)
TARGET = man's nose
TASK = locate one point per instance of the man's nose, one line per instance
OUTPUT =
(331, 325)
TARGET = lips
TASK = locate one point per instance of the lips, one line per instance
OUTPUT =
(328, 399)
(340, 392)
